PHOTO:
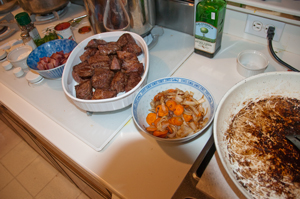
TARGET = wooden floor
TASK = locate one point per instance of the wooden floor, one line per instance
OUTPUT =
(24, 174)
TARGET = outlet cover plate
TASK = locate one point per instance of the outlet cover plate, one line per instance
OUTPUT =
(259, 25)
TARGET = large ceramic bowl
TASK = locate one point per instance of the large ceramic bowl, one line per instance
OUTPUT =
(141, 103)
(122, 100)
(252, 88)
(46, 50)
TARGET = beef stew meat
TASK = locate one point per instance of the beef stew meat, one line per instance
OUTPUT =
(108, 68)
(94, 43)
(102, 78)
(84, 90)
(104, 93)
(124, 39)
(133, 80)
(119, 82)
(87, 54)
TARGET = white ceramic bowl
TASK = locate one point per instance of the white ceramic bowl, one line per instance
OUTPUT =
(251, 62)
(141, 103)
(103, 105)
(252, 88)
(18, 56)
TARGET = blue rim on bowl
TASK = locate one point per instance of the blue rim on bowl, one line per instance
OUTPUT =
(141, 102)
(46, 50)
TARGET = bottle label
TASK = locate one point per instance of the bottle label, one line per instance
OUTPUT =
(205, 37)
(34, 34)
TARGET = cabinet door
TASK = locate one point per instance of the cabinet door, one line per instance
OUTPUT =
(83, 185)
(20, 130)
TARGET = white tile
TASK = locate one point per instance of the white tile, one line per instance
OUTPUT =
(5, 178)
(14, 190)
(18, 158)
(8, 139)
(37, 175)
(59, 187)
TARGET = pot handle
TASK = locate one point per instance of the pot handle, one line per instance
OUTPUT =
(155, 32)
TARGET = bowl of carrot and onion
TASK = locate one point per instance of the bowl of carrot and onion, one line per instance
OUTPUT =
(173, 109)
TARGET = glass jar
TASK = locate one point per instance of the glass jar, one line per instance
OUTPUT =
(27, 40)
(25, 24)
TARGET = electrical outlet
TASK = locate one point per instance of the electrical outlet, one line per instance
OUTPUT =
(259, 26)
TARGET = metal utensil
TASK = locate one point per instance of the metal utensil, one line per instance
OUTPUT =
(187, 188)
(294, 139)
(76, 20)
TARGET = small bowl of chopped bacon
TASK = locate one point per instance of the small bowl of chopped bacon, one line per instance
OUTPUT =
(49, 58)
(173, 109)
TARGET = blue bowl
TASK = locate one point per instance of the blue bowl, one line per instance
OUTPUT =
(46, 50)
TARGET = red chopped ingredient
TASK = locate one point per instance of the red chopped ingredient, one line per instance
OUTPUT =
(55, 60)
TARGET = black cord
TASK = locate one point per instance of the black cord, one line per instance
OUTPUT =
(271, 33)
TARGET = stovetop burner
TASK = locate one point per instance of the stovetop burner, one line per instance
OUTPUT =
(55, 15)
(3, 29)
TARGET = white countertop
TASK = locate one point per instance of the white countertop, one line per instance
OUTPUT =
(132, 165)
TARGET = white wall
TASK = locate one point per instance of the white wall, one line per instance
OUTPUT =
(235, 22)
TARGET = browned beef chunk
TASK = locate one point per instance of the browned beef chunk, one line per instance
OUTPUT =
(99, 61)
(84, 90)
(87, 54)
(115, 64)
(82, 71)
(94, 43)
(126, 55)
(133, 80)
(109, 48)
(104, 94)
(132, 48)
(119, 81)
(125, 39)
(129, 66)
(102, 78)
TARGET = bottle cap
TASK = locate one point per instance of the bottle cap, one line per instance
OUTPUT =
(23, 18)
(18, 72)
(34, 77)
(3, 54)
(7, 65)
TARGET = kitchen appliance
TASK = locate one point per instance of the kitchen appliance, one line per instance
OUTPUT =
(42, 7)
(139, 16)
(8, 26)
(7, 5)
(252, 88)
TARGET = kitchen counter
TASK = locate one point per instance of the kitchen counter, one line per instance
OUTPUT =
(132, 165)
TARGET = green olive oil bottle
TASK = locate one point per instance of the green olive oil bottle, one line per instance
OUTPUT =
(210, 17)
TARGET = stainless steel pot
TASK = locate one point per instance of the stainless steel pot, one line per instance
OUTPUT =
(137, 16)
(42, 6)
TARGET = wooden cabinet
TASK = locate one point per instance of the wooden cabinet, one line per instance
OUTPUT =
(87, 183)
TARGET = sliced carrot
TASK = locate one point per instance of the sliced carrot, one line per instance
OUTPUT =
(171, 105)
(160, 133)
(178, 109)
(170, 129)
(176, 121)
(156, 121)
(151, 128)
(158, 97)
(187, 118)
(151, 117)
(159, 110)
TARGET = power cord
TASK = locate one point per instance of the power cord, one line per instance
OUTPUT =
(270, 35)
